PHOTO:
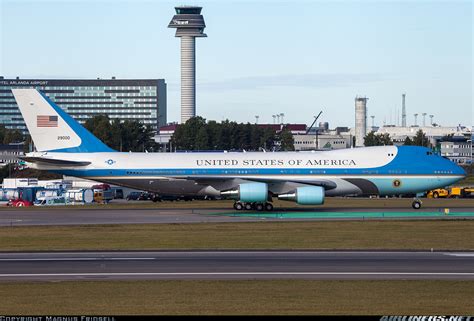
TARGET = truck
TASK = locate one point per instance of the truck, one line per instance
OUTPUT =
(451, 192)
(461, 192)
(50, 201)
(83, 195)
(103, 196)
(438, 193)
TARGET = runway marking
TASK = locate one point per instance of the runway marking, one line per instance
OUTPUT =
(238, 274)
(82, 259)
(460, 254)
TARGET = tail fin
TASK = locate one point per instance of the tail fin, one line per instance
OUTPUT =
(51, 128)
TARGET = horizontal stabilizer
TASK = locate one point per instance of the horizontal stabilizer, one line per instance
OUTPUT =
(50, 161)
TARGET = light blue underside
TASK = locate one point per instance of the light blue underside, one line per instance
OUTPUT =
(410, 185)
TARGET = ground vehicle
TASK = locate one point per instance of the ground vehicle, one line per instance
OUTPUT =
(84, 195)
(19, 203)
(145, 196)
(461, 192)
(102, 196)
(118, 193)
(104, 186)
(437, 193)
(451, 192)
(133, 196)
(50, 200)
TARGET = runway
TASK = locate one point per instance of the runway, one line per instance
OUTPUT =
(228, 265)
(85, 216)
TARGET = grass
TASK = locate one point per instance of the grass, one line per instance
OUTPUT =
(238, 297)
(420, 235)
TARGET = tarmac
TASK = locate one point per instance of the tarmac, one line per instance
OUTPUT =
(85, 216)
(230, 265)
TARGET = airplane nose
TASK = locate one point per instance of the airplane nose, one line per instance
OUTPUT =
(458, 170)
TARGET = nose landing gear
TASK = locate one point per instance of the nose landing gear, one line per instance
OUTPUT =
(253, 206)
(416, 204)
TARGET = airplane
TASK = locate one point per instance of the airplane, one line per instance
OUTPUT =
(252, 179)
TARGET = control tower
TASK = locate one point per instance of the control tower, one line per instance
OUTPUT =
(189, 24)
(360, 120)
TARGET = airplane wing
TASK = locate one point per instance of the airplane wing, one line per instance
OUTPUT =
(281, 185)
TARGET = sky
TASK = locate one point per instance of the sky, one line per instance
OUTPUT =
(261, 57)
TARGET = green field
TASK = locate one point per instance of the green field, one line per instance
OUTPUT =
(238, 297)
(384, 234)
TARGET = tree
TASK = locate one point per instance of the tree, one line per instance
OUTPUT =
(420, 139)
(372, 139)
(101, 128)
(215, 137)
(12, 136)
(197, 134)
(185, 134)
(3, 131)
(286, 140)
(384, 139)
(408, 141)
(130, 135)
(267, 140)
(28, 145)
(202, 139)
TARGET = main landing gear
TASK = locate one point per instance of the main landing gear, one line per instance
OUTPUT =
(253, 206)
(416, 204)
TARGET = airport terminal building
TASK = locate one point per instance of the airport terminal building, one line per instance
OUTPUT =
(126, 99)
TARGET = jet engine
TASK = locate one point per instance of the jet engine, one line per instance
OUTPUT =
(249, 193)
(306, 195)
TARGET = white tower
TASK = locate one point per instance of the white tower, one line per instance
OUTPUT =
(404, 112)
(189, 24)
(360, 120)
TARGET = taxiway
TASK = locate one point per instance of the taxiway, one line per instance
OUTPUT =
(85, 216)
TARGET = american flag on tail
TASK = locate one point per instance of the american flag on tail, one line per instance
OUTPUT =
(46, 121)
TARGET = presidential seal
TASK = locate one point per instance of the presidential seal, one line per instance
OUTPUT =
(397, 183)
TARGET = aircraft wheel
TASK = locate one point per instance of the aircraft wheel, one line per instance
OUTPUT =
(238, 206)
(416, 204)
(259, 207)
(248, 206)
(268, 207)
